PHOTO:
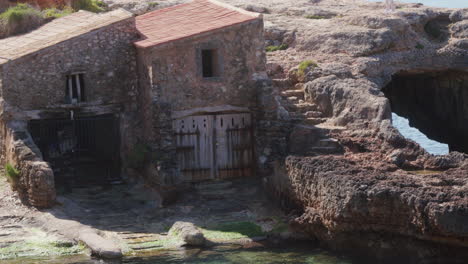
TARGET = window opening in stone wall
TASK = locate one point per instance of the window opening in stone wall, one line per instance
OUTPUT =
(75, 91)
(210, 65)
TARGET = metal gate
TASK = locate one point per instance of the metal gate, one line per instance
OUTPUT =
(214, 146)
(83, 151)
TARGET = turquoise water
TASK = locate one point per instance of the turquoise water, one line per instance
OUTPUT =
(436, 3)
(219, 255)
(433, 147)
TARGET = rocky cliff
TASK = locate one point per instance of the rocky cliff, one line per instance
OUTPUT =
(328, 148)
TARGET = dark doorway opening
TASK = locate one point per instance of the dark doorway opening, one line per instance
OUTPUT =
(436, 103)
(83, 152)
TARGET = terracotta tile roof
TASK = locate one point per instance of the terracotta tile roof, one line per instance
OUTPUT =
(57, 31)
(185, 20)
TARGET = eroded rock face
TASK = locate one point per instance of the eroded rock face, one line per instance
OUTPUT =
(365, 199)
(351, 207)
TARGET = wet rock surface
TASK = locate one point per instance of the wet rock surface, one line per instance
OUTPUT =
(189, 233)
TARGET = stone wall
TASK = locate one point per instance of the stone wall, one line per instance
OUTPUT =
(171, 80)
(105, 56)
(34, 87)
(36, 180)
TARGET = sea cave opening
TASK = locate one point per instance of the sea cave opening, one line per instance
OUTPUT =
(435, 104)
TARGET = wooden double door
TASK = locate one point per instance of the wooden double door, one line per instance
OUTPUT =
(214, 146)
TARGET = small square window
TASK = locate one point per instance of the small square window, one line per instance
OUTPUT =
(75, 91)
(210, 63)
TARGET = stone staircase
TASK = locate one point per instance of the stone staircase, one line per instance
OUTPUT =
(293, 100)
(214, 190)
(306, 114)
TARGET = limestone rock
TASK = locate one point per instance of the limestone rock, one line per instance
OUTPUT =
(460, 29)
(459, 15)
(99, 246)
(346, 100)
(257, 9)
(357, 42)
(188, 233)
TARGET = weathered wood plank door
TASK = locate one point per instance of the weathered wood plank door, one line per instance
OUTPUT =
(214, 146)
(194, 147)
(234, 157)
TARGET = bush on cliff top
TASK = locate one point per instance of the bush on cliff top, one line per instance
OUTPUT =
(303, 66)
(51, 13)
(19, 19)
(12, 175)
(95, 6)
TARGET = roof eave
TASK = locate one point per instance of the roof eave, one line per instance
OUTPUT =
(138, 45)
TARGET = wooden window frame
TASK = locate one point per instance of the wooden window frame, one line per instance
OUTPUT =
(75, 88)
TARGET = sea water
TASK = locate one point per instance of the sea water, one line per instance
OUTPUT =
(433, 147)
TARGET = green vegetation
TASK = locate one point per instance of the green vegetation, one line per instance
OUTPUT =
(315, 17)
(95, 6)
(276, 48)
(12, 175)
(51, 13)
(419, 46)
(40, 245)
(19, 19)
(303, 66)
(19, 13)
(233, 231)
(153, 4)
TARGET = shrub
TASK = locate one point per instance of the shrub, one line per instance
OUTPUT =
(20, 19)
(419, 46)
(52, 13)
(315, 17)
(276, 48)
(12, 175)
(153, 4)
(95, 6)
(303, 66)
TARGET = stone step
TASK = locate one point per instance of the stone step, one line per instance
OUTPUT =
(136, 236)
(217, 195)
(304, 107)
(329, 142)
(313, 114)
(314, 121)
(213, 185)
(136, 243)
(296, 93)
(283, 84)
(330, 129)
(145, 247)
(292, 99)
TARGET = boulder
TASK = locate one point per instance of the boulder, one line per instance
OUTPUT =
(459, 15)
(460, 29)
(188, 233)
(347, 100)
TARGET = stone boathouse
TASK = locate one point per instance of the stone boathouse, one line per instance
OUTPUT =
(169, 96)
